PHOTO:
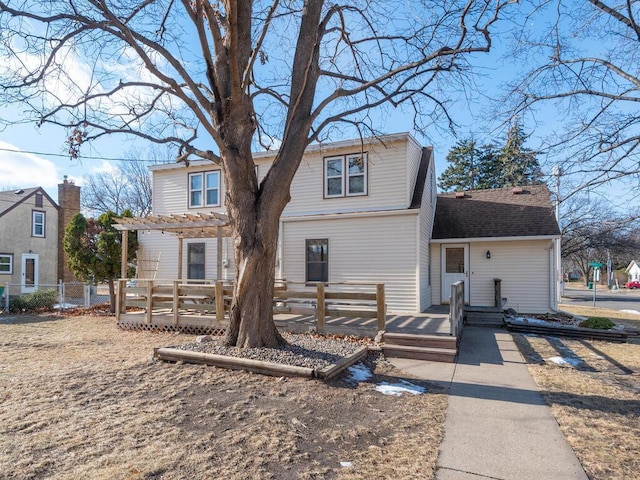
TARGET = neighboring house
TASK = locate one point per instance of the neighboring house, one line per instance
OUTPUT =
(360, 211)
(509, 234)
(31, 231)
(633, 271)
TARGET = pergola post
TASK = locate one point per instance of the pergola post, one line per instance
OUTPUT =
(180, 258)
(219, 266)
(125, 254)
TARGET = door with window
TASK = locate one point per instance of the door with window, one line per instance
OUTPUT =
(29, 282)
(455, 267)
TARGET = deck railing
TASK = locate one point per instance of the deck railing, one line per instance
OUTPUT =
(213, 298)
(456, 309)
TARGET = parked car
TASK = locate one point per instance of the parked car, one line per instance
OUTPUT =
(633, 284)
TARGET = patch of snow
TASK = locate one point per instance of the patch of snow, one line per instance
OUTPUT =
(595, 355)
(58, 306)
(574, 362)
(400, 388)
(359, 373)
(7, 319)
(346, 464)
(539, 322)
(635, 312)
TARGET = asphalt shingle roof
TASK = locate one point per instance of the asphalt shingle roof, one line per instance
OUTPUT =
(496, 213)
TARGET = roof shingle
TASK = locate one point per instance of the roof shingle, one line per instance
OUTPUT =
(496, 213)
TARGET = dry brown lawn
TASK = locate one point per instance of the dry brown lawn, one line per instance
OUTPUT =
(596, 401)
(81, 399)
(625, 318)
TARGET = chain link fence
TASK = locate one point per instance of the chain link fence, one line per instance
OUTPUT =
(17, 298)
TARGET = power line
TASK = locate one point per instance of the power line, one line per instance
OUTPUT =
(107, 159)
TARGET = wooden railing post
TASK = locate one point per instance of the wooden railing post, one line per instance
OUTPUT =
(149, 300)
(176, 300)
(380, 302)
(219, 301)
(320, 305)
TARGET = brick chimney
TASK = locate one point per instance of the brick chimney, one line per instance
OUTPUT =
(69, 202)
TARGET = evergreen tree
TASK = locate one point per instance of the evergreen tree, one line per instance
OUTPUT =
(472, 167)
(519, 164)
(94, 249)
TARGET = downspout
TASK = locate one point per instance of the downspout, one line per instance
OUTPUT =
(281, 249)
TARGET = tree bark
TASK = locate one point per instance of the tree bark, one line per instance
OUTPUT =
(112, 296)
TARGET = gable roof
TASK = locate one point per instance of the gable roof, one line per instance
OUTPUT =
(10, 199)
(502, 212)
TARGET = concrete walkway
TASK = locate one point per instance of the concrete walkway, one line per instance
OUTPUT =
(497, 425)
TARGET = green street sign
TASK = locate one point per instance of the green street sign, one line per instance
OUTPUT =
(596, 264)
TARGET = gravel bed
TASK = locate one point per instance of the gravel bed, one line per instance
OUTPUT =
(304, 350)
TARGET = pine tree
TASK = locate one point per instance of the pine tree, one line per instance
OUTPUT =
(473, 167)
(519, 164)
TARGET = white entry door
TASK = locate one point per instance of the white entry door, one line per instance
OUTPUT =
(29, 272)
(455, 267)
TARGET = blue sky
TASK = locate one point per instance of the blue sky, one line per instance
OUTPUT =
(31, 156)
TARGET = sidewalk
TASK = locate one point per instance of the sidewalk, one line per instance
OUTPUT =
(497, 425)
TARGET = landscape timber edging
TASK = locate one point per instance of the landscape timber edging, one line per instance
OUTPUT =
(257, 366)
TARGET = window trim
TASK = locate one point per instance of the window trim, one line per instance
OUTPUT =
(10, 257)
(33, 223)
(203, 189)
(306, 260)
(345, 176)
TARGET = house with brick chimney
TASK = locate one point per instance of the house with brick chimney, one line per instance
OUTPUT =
(32, 228)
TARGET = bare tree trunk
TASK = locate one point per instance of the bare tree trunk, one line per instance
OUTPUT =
(112, 296)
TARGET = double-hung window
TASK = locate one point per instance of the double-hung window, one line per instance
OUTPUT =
(204, 189)
(317, 260)
(37, 224)
(6, 264)
(195, 261)
(345, 175)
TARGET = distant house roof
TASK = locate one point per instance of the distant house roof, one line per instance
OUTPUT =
(10, 199)
(501, 212)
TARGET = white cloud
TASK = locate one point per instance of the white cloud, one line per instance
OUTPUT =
(25, 170)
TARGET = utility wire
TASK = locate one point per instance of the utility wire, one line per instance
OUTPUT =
(107, 159)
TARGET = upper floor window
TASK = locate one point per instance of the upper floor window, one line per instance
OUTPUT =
(345, 176)
(37, 224)
(204, 189)
(6, 264)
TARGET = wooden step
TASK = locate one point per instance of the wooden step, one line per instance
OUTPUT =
(446, 355)
(417, 340)
(485, 318)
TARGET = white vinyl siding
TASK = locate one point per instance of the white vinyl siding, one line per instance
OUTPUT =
(436, 282)
(172, 192)
(427, 212)
(158, 257)
(524, 268)
(361, 250)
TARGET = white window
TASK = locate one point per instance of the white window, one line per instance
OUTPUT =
(345, 176)
(37, 224)
(6, 264)
(204, 189)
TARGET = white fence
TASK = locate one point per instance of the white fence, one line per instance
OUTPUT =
(17, 297)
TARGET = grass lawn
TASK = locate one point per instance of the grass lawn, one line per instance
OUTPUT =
(593, 389)
(80, 398)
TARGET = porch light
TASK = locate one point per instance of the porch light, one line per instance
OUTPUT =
(488, 255)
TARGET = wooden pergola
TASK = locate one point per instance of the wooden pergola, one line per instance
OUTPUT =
(184, 225)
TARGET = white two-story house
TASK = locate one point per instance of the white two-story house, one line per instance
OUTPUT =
(363, 212)
(359, 212)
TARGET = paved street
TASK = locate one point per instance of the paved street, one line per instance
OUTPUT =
(622, 299)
